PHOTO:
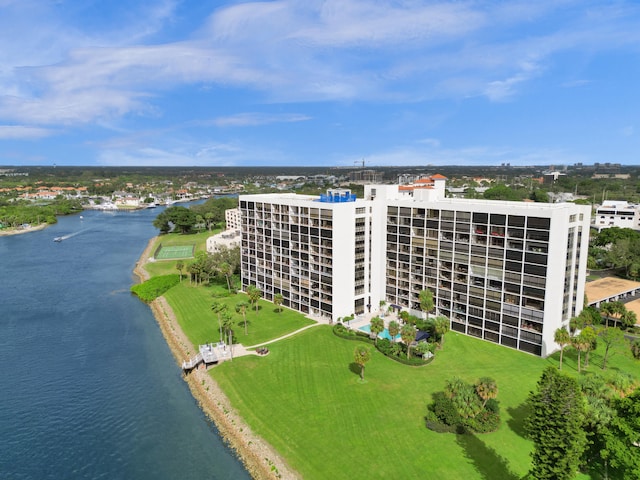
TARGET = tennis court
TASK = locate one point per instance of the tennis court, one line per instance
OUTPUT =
(174, 252)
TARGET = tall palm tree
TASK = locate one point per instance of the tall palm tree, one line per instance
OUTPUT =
(562, 338)
(591, 342)
(376, 327)
(581, 344)
(254, 294)
(408, 335)
(277, 300)
(426, 301)
(394, 329)
(441, 326)
(227, 270)
(241, 307)
(219, 308)
(227, 323)
(180, 267)
(612, 309)
(487, 388)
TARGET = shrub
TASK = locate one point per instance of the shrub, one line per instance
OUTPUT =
(635, 349)
(484, 422)
(155, 287)
(445, 410)
(432, 423)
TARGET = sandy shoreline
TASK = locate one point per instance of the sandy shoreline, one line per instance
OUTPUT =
(260, 459)
(20, 231)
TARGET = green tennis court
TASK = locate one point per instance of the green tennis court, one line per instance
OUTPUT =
(173, 252)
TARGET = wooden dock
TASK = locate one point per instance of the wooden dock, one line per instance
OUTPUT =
(207, 354)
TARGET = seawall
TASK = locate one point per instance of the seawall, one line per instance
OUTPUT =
(260, 459)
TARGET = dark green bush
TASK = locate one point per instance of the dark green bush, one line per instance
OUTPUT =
(444, 410)
(155, 287)
(484, 422)
(432, 422)
(383, 345)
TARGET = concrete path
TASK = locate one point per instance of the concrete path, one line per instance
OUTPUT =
(240, 350)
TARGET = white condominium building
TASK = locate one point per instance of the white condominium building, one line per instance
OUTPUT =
(508, 272)
(613, 213)
(232, 218)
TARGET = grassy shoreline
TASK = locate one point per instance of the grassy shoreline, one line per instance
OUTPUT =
(259, 458)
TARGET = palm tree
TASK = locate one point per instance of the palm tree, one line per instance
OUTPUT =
(628, 318)
(441, 326)
(610, 336)
(241, 307)
(562, 338)
(180, 267)
(487, 388)
(376, 327)
(254, 294)
(219, 308)
(361, 356)
(581, 344)
(277, 300)
(408, 335)
(227, 270)
(613, 309)
(209, 218)
(227, 323)
(394, 329)
(426, 301)
(591, 342)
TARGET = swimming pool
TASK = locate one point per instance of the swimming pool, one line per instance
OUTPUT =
(383, 334)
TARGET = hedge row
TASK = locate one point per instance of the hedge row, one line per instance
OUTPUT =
(155, 287)
(382, 345)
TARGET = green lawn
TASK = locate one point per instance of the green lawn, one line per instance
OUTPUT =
(306, 400)
(165, 267)
(192, 306)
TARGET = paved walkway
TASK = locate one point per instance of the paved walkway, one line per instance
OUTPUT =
(240, 350)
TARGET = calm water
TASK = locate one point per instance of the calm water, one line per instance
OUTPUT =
(89, 387)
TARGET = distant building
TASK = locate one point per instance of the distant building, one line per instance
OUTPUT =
(232, 218)
(614, 213)
(365, 176)
(551, 177)
(226, 239)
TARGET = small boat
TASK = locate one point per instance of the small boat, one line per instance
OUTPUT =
(58, 239)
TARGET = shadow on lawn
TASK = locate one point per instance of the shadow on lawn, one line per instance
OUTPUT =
(516, 422)
(488, 463)
(355, 368)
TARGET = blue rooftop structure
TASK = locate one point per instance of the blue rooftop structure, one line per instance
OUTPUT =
(337, 196)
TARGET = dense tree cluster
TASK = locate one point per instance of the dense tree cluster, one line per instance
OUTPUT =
(210, 214)
(592, 425)
(206, 266)
(14, 214)
(616, 247)
(465, 407)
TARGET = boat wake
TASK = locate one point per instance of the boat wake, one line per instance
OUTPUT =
(65, 237)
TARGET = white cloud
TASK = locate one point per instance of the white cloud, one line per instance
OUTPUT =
(254, 119)
(293, 50)
(13, 132)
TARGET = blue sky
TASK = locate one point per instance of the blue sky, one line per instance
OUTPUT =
(309, 82)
